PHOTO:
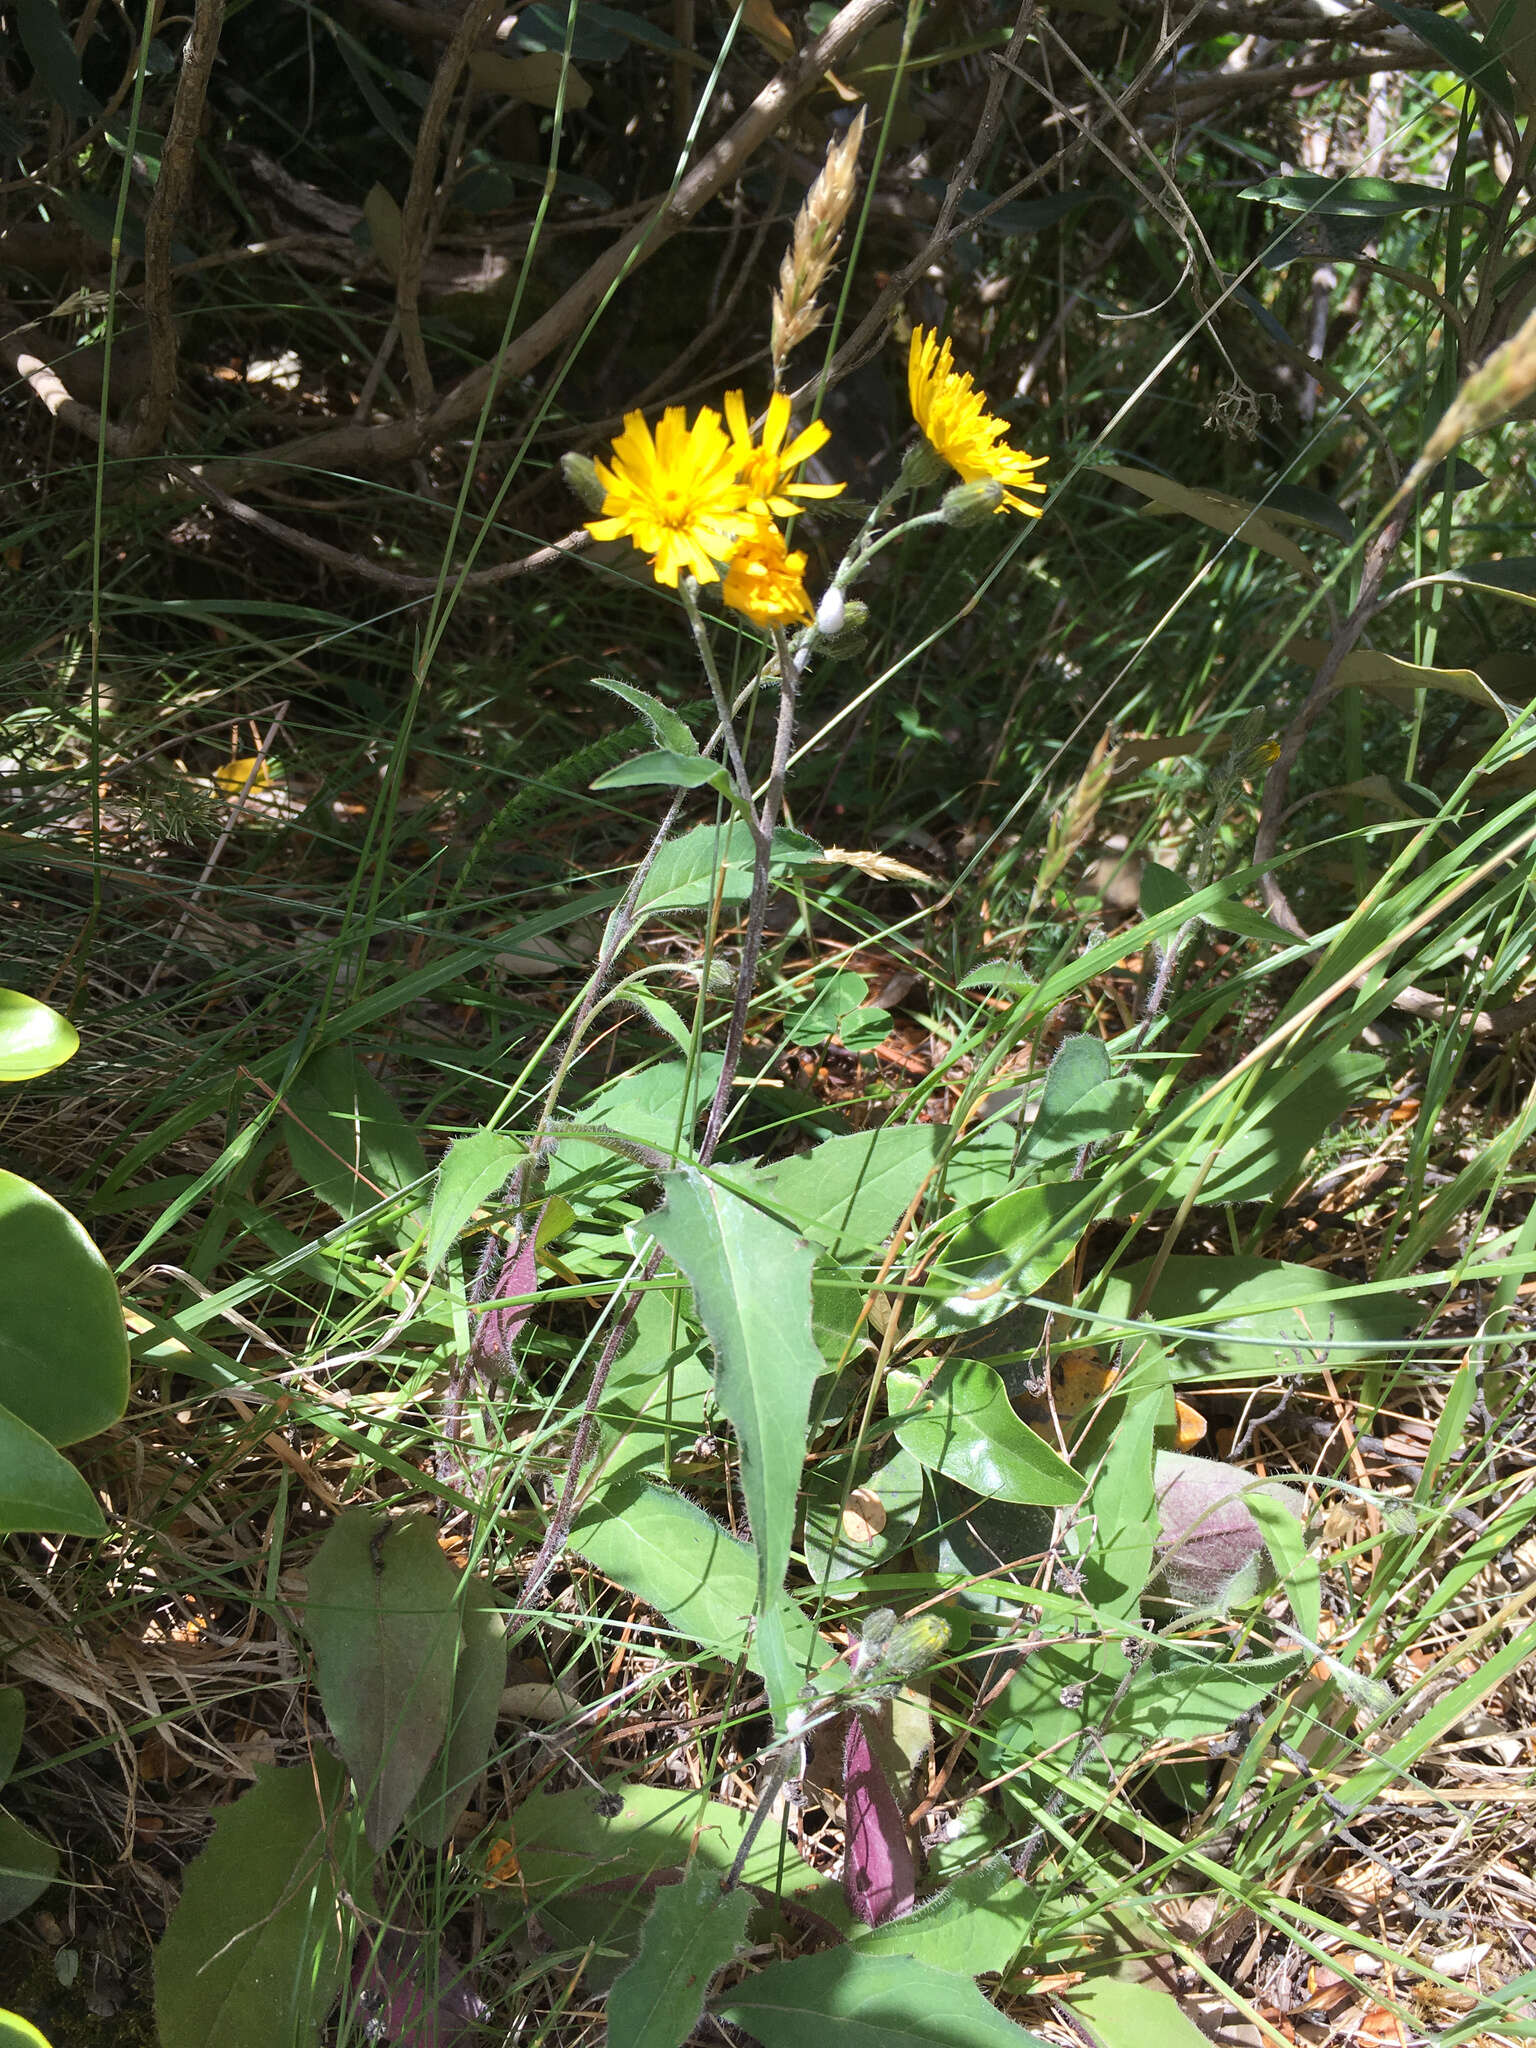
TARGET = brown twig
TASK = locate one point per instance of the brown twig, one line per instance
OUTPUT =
(171, 186)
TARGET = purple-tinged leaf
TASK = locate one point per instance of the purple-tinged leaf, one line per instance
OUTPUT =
(879, 1874)
(394, 2006)
(496, 1329)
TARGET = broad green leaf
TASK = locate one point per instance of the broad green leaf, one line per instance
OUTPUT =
(28, 1865)
(1010, 1249)
(1000, 974)
(1105, 1113)
(846, 1999)
(475, 1169)
(40, 1492)
(13, 1717)
(863, 1029)
(1511, 30)
(1232, 516)
(985, 1544)
(693, 1930)
(1466, 54)
(15, 2032)
(962, 1425)
(850, 1192)
(1310, 508)
(53, 56)
(63, 1348)
(479, 1675)
(664, 769)
(1384, 674)
(1190, 1701)
(850, 1530)
(33, 1038)
(656, 1106)
(1121, 1511)
(383, 1620)
(832, 997)
(696, 867)
(598, 36)
(669, 729)
(1250, 1318)
(976, 1926)
(1081, 1066)
(656, 1401)
(385, 225)
(1162, 889)
(662, 1548)
(255, 1951)
(1057, 1692)
(346, 1138)
(1362, 198)
(1122, 2015)
(751, 1280)
(1282, 1122)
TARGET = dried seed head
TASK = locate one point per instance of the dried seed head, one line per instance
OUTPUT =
(818, 228)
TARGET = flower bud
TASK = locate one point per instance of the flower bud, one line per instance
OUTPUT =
(583, 481)
(852, 637)
(831, 613)
(972, 504)
(923, 465)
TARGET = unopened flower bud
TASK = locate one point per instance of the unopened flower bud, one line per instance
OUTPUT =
(923, 465)
(831, 613)
(852, 637)
(972, 504)
(583, 481)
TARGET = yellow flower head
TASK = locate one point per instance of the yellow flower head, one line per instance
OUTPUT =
(679, 498)
(953, 415)
(765, 468)
(766, 581)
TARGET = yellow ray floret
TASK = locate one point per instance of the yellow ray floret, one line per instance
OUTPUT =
(953, 415)
(679, 497)
(766, 581)
(767, 465)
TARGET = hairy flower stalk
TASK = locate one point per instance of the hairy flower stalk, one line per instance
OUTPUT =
(818, 229)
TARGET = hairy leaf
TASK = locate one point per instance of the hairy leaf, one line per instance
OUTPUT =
(693, 1930)
(346, 1137)
(846, 1999)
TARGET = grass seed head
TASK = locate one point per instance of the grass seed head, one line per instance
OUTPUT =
(818, 229)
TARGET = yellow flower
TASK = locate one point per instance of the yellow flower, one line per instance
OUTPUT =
(764, 468)
(679, 498)
(953, 415)
(766, 581)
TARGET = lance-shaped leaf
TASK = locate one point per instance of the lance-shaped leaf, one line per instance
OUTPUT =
(693, 1930)
(751, 1280)
(383, 1616)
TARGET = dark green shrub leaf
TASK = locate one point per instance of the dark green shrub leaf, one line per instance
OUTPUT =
(63, 1348)
(1009, 1250)
(40, 1491)
(1466, 54)
(382, 1616)
(28, 1865)
(51, 49)
(1358, 198)
(254, 1953)
(693, 1930)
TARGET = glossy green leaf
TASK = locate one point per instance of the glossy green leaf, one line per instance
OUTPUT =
(1466, 54)
(1010, 1249)
(255, 1950)
(663, 769)
(33, 1038)
(475, 1170)
(15, 2032)
(962, 1425)
(383, 1620)
(751, 1281)
(1249, 1317)
(976, 1926)
(40, 1492)
(1226, 515)
(13, 1718)
(692, 1931)
(28, 1865)
(696, 867)
(850, 1192)
(846, 1999)
(479, 1675)
(63, 1348)
(346, 1137)
(669, 729)
(1123, 2015)
(1360, 198)
(702, 1579)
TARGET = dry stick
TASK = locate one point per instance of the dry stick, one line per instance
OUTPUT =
(396, 440)
(474, 22)
(176, 164)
